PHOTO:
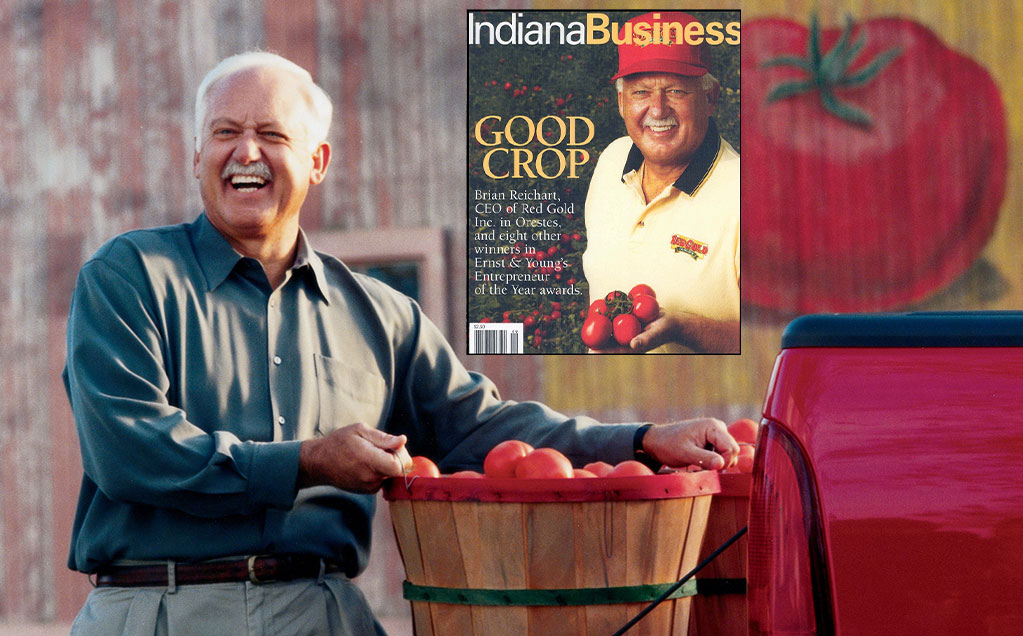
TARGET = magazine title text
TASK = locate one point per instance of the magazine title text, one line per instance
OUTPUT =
(598, 29)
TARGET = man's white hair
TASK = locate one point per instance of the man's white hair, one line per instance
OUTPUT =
(318, 102)
(707, 82)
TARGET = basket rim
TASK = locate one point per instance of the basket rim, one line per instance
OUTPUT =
(660, 486)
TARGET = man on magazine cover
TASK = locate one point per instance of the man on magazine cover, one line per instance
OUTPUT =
(239, 396)
(663, 204)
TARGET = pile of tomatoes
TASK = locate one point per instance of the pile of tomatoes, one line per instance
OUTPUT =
(619, 317)
(516, 459)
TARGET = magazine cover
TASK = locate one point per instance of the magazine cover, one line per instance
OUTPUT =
(543, 107)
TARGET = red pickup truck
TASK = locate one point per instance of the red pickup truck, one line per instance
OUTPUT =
(887, 491)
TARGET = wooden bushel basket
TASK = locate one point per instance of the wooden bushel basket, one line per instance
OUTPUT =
(518, 557)
(720, 607)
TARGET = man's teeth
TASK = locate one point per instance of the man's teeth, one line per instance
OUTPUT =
(247, 183)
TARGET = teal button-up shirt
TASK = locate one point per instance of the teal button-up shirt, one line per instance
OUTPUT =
(192, 384)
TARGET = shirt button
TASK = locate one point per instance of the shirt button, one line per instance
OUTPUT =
(280, 419)
(277, 359)
(273, 302)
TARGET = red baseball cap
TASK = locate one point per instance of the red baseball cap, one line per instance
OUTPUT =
(671, 54)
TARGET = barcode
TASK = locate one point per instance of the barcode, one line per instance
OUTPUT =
(502, 338)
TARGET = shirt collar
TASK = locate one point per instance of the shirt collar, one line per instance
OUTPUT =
(218, 259)
(700, 164)
(215, 255)
(306, 256)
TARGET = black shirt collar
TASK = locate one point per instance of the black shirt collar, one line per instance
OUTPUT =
(700, 164)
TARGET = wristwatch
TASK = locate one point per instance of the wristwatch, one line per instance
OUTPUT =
(637, 449)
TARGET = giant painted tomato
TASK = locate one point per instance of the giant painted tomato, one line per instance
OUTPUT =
(872, 191)
(596, 332)
(501, 460)
(544, 463)
(626, 327)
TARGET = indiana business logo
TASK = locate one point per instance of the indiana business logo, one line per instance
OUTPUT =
(696, 249)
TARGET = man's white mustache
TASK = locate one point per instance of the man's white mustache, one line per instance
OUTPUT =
(258, 169)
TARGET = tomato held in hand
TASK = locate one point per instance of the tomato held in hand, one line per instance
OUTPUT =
(544, 463)
(626, 327)
(501, 460)
(645, 307)
(596, 331)
(642, 290)
(598, 307)
(630, 468)
(423, 467)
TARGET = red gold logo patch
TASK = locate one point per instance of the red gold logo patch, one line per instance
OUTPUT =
(694, 248)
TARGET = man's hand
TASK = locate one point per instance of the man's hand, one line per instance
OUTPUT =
(685, 443)
(356, 458)
(700, 334)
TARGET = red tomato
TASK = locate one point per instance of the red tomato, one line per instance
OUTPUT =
(644, 307)
(745, 463)
(642, 290)
(618, 302)
(600, 469)
(582, 472)
(466, 474)
(823, 241)
(598, 307)
(596, 331)
(744, 431)
(630, 468)
(423, 467)
(501, 460)
(544, 463)
(626, 327)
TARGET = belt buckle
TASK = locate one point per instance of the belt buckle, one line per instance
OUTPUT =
(252, 571)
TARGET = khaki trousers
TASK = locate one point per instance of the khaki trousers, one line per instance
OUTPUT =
(332, 606)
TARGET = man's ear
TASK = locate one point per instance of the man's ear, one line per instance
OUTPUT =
(195, 159)
(621, 104)
(321, 159)
(713, 94)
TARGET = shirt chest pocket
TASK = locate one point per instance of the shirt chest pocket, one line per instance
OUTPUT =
(348, 395)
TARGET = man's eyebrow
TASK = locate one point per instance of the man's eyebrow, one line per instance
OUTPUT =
(220, 121)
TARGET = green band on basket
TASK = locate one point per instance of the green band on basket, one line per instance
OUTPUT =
(580, 596)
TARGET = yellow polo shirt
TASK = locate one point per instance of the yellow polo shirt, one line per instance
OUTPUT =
(684, 243)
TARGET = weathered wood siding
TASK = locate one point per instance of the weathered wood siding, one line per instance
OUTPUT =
(96, 129)
(96, 138)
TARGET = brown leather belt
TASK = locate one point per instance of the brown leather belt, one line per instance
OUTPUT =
(255, 569)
